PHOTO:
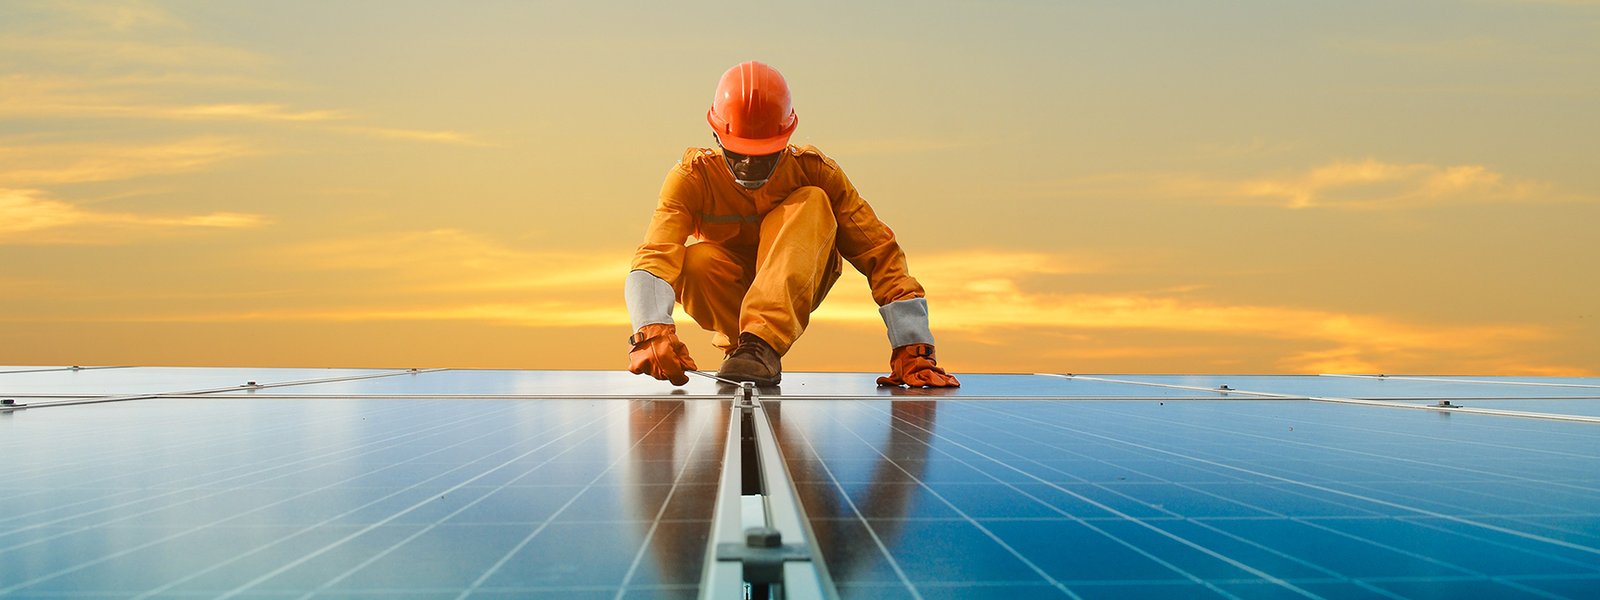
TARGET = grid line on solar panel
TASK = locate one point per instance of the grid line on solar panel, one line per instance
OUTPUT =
(923, 430)
(419, 505)
(470, 421)
(1431, 464)
(495, 568)
(855, 511)
(1503, 547)
(655, 522)
(677, 525)
(45, 460)
(1324, 488)
(273, 463)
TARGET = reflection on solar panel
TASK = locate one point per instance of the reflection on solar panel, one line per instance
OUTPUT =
(269, 483)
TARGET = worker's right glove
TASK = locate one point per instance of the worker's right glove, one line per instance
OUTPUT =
(658, 353)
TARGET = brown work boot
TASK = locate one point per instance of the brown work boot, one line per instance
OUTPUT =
(754, 360)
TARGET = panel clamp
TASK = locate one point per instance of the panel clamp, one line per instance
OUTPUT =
(763, 554)
(746, 397)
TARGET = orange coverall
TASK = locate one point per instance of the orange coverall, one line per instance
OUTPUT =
(765, 258)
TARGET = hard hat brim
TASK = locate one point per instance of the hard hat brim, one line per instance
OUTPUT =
(752, 146)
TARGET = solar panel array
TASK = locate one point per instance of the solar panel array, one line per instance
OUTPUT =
(274, 483)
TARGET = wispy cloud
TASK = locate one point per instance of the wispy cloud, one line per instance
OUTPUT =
(139, 61)
(92, 51)
(1005, 305)
(530, 314)
(125, 15)
(27, 216)
(1372, 184)
(455, 260)
(44, 164)
(416, 135)
(1368, 184)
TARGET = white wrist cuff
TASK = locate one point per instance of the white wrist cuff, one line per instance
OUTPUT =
(907, 321)
(649, 299)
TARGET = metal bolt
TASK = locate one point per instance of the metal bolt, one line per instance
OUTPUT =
(763, 537)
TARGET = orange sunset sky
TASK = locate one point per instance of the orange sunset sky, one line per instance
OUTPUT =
(1225, 187)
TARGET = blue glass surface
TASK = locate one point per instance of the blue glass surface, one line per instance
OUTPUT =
(1079, 487)
(1128, 499)
(178, 497)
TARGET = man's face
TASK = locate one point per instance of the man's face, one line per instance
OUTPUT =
(751, 171)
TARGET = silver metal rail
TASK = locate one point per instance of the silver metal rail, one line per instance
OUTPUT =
(776, 556)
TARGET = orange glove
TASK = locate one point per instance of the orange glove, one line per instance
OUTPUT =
(913, 365)
(658, 353)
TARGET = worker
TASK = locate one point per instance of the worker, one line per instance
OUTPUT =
(771, 224)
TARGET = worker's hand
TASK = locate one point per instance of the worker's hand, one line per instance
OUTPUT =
(658, 353)
(914, 365)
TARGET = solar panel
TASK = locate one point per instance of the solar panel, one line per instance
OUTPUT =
(459, 483)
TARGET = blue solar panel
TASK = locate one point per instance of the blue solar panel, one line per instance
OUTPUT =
(451, 483)
(386, 497)
(1241, 498)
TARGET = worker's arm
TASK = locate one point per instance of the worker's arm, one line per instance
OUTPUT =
(870, 246)
(656, 350)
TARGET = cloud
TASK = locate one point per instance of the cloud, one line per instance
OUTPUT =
(121, 16)
(530, 314)
(248, 112)
(1005, 304)
(453, 260)
(1371, 184)
(416, 135)
(136, 61)
(43, 164)
(26, 216)
(92, 52)
(1368, 184)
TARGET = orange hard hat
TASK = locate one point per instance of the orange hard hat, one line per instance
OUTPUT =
(751, 112)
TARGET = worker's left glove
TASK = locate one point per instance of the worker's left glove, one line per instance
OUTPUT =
(657, 352)
(914, 365)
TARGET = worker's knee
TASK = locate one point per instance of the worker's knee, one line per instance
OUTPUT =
(711, 263)
(805, 209)
(813, 203)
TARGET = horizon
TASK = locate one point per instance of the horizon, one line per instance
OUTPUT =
(1234, 188)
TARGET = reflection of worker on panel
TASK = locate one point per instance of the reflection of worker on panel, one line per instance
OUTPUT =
(884, 503)
(772, 222)
(677, 455)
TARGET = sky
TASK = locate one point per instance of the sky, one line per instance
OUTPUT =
(1082, 187)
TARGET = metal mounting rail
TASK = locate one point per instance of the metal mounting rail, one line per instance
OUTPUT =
(1470, 381)
(1442, 407)
(249, 385)
(768, 553)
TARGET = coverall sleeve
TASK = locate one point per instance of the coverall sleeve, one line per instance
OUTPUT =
(662, 252)
(866, 241)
